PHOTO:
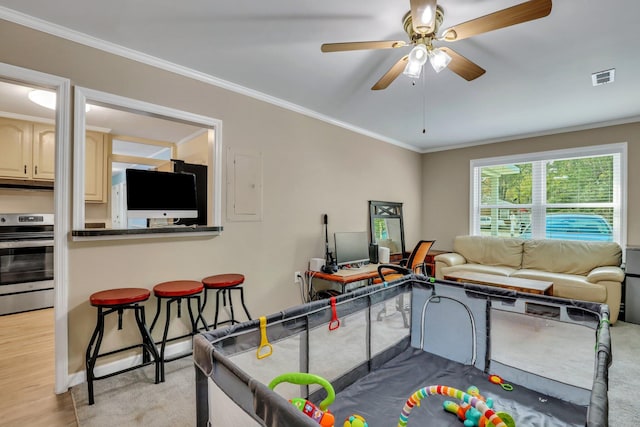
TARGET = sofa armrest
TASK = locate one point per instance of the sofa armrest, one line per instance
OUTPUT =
(607, 273)
(450, 259)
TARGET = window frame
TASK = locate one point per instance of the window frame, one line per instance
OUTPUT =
(538, 207)
(83, 95)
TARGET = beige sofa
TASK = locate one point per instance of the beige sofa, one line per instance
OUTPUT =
(588, 271)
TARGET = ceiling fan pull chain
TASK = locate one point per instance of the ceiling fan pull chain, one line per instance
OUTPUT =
(424, 105)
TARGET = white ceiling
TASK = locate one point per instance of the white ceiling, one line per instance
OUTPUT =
(537, 81)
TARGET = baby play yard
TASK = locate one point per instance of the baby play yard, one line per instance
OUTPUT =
(416, 352)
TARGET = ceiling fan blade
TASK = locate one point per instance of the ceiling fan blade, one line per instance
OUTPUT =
(423, 16)
(391, 75)
(523, 12)
(462, 66)
(341, 47)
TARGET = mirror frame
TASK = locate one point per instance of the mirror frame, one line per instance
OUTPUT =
(386, 210)
(83, 95)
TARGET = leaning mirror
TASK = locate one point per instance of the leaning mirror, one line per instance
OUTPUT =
(387, 229)
(129, 154)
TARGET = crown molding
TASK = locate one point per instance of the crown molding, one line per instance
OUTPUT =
(96, 43)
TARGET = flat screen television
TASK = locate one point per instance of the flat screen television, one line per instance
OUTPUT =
(155, 194)
(351, 247)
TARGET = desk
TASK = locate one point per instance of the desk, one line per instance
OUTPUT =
(345, 277)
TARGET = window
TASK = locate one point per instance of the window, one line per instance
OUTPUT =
(575, 194)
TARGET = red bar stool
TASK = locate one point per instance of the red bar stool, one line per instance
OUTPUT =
(117, 301)
(176, 291)
(223, 284)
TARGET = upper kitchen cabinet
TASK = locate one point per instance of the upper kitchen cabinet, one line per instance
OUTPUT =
(96, 152)
(44, 151)
(15, 141)
(28, 150)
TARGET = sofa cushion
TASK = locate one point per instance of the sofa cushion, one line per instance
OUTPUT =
(478, 268)
(568, 256)
(490, 250)
(567, 285)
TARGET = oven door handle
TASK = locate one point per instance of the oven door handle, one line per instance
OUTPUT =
(26, 244)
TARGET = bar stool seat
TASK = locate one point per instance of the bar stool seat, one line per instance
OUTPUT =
(121, 296)
(223, 284)
(176, 291)
(117, 301)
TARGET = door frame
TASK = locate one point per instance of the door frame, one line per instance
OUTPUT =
(61, 206)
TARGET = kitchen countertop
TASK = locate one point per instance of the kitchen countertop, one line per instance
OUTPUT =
(103, 233)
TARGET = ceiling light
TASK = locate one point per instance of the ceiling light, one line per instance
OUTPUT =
(439, 59)
(427, 15)
(43, 98)
(417, 59)
(47, 99)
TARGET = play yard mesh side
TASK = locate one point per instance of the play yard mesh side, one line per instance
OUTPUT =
(378, 345)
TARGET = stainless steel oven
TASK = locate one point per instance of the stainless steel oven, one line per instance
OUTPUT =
(26, 262)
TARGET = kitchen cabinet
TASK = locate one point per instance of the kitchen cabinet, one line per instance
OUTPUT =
(28, 150)
(44, 151)
(96, 155)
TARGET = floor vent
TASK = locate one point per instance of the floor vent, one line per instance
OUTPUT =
(603, 77)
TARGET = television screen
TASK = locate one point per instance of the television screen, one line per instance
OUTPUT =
(154, 194)
(351, 247)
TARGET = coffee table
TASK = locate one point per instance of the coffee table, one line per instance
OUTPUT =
(515, 283)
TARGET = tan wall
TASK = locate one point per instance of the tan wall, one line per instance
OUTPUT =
(309, 168)
(26, 201)
(446, 180)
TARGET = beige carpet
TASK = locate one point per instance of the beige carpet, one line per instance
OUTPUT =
(132, 399)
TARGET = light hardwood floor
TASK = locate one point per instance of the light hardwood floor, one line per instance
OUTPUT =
(27, 373)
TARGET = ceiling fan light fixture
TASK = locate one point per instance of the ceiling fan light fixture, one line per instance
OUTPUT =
(439, 59)
(427, 17)
(423, 14)
(417, 58)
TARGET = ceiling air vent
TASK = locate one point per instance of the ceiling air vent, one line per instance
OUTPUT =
(603, 77)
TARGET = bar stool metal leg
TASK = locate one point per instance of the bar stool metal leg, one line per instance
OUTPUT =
(215, 320)
(92, 353)
(148, 346)
(233, 317)
(155, 318)
(200, 315)
(243, 304)
(164, 338)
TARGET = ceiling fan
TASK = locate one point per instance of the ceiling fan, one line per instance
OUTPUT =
(422, 24)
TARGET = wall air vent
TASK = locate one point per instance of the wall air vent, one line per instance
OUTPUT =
(603, 77)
